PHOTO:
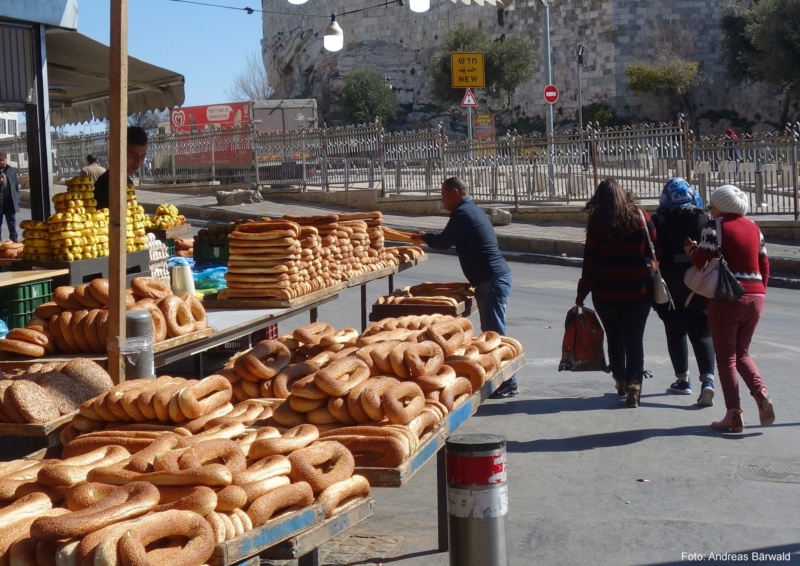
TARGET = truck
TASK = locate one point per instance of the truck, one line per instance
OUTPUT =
(226, 137)
(267, 115)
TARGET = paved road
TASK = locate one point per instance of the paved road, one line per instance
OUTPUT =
(591, 481)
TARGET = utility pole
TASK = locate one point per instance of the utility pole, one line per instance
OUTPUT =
(550, 149)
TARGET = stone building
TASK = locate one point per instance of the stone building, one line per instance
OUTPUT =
(399, 44)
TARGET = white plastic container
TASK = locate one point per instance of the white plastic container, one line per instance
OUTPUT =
(182, 278)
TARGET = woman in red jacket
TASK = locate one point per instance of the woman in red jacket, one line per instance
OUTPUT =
(616, 273)
(734, 323)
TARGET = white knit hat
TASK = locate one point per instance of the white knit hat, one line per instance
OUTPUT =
(730, 200)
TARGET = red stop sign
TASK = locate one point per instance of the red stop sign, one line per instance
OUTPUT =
(551, 94)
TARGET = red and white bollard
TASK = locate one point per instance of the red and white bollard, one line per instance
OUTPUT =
(477, 499)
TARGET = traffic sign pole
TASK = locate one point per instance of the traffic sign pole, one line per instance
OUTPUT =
(548, 55)
(469, 122)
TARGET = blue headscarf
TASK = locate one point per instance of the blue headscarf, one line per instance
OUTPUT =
(677, 193)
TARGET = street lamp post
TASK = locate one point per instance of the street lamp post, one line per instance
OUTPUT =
(579, 59)
(549, 67)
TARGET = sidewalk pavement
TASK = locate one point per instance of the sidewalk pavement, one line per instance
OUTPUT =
(535, 242)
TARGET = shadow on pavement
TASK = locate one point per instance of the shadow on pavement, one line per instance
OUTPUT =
(613, 439)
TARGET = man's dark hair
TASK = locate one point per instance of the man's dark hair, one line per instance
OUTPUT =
(91, 159)
(456, 183)
(137, 135)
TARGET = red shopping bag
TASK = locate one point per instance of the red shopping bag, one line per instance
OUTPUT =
(582, 348)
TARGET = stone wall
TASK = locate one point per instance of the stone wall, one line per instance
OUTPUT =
(616, 33)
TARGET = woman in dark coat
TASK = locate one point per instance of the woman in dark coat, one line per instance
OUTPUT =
(616, 273)
(680, 215)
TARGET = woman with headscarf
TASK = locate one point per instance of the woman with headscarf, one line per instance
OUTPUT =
(680, 215)
(616, 273)
(733, 324)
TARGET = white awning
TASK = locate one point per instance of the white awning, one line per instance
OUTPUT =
(78, 78)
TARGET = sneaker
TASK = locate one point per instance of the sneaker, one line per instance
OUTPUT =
(706, 398)
(506, 389)
(681, 387)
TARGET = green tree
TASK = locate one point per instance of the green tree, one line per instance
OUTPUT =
(365, 97)
(508, 63)
(674, 76)
(763, 44)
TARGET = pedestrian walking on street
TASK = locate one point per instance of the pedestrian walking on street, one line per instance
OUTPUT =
(92, 168)
(470, 231)
(733, 323)
(616, 273)
(9, 196)
(680, 215)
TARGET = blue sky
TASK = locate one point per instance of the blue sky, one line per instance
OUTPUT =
(208, 46)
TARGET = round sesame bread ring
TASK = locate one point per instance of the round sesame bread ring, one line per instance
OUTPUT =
(423, 358)
(22, 348)
(262, 469)
(470, 369)
(321, 465)
(177, 315)
(436, 381)
(267, 358)
(174, 525)
(403, 402)
(98, 289)
(198, 311)
(284, 498)
(338, 378)
(486, 342)
(283, 381)
(353, 487)
(85, 298)
(150, 288)
(337, 407)
(204, 396)
(448, 335)
(342, 336)
(64, 299)
(313, 333)
(46, 310)
(215, 450)
(125, 502)
(455, 393)
(371, 397)
(65, 324)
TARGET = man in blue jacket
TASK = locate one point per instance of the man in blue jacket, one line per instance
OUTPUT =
(9, 196)
(470, 231)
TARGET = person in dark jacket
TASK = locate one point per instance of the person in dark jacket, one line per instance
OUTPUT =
(9, 196)
(680, 215)
(470, 231)
(616, 273)
(137, 151)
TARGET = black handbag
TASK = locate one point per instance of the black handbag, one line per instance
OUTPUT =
(728, 287)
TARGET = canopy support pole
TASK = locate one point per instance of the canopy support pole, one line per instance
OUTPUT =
(37, 118)
(117, 186)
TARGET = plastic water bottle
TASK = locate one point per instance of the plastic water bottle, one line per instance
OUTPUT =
(182, 277)
(3, 329)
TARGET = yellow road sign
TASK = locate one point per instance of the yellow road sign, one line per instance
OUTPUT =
(466, 70)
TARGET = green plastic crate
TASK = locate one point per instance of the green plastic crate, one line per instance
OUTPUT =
(210, 252)
(18, 302)
(170, 243)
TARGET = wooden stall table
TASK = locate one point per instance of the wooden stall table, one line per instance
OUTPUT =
(389, 272)
(304, 547)
(8, 278)
(399, 476)
(231, 324)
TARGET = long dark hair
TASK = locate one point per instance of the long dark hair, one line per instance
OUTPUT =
(613, 207)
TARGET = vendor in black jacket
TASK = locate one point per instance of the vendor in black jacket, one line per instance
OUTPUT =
(137, 151)
(9, 196)
(470, 231)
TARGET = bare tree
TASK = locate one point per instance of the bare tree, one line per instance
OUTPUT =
(252, 82)
(149, 119)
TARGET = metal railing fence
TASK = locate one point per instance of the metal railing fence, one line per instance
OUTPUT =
(510, 170)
